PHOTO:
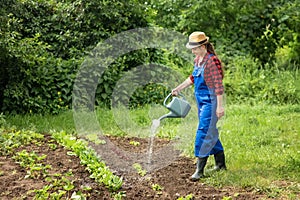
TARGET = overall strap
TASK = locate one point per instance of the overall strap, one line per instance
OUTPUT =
(204, 64)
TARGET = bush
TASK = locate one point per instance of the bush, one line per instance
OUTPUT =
(44, 42)
(247, 81)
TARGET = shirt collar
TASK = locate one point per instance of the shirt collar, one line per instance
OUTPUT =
(204, 59)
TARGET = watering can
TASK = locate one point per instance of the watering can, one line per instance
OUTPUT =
(178, 106)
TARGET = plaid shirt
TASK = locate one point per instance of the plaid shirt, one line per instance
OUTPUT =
(213, 74)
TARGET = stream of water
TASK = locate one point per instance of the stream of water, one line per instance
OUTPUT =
(154, 127)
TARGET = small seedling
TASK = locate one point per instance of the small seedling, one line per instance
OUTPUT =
(119, 195)
(88, 157)
(134, 143)
(157, 187)
(52, 146)
(86, 187)
(236, 194)
(227, 198)
(93, 137)
(187, 197)
(139, 169)
(78, 196)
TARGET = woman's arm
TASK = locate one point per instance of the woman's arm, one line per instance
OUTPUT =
(217, 84)
(220, 108)
(182, 86)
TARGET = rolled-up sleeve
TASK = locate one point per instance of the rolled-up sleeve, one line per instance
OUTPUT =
(192, 78)
(213, 75)
(217, 79)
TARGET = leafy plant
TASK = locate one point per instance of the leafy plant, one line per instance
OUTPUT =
(187, 197)
(119, 195)
(52, 146)
(78, 196)
(41, 193)
(32, 162)
(94, 138)
(227, 198)
(134, 143)
(2, 120)
(11, 139)
(89, 158)
(41, 63)
(139, 169)
(270, 85)
(157, 187)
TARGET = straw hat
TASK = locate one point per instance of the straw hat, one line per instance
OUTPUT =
(196, 39)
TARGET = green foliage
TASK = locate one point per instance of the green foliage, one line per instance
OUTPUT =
(2, 120)
(187, 197)
(139, 169)
(247, 81)
(11, 139)
(288, 29)
(44, 43)
(32, 163)
(59, 185)
(151, 93)
(98, 170)
(241, 27)
(44, 83)
(127, 65)
(261, 141)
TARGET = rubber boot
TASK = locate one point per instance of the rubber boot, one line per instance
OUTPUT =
(220, 161)
(199, 173)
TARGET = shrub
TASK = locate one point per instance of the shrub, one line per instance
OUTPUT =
(247, 81)
(44, 42)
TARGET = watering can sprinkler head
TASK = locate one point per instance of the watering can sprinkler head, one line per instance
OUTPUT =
(178, 106)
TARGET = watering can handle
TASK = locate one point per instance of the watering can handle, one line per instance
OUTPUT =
(171, 95)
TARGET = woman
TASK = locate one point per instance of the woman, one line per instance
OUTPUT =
(207, 78)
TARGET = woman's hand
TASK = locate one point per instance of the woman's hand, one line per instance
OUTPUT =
(220, 112)
(175, 92)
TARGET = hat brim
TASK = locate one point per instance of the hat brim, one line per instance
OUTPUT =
(190, 46)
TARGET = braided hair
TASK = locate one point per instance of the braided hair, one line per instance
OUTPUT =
(210, 48)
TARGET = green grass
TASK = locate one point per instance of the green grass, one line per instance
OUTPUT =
(262, 145)
(43, 123)
(262, 142)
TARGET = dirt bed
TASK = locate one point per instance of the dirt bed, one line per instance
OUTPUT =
(170, 182)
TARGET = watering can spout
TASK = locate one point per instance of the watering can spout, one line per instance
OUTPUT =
(168, 115)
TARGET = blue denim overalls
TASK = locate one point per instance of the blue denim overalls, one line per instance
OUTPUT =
(207, 136)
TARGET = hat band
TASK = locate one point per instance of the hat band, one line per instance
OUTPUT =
(197, 43)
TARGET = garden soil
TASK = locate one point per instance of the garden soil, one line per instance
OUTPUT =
(171, 181)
